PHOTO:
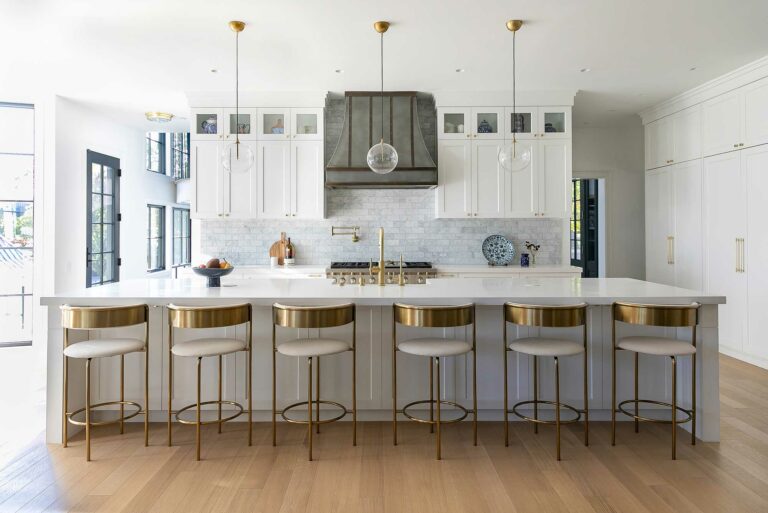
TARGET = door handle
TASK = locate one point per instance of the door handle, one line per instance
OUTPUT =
(672, 250)
(738, 255)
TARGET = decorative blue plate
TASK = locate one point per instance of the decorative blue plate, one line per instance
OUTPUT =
(498, 250)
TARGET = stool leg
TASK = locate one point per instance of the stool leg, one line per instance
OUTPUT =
(354, 387)
(586, 393)
(146, 395)
(474, 394)
(122, 393)
(197, 423)
(250, 387)
(64, 404)
(536, 393)
(88, 409)
(693, 399)
(431, 397)
(274, 389)
(637, 379)
(170, 386)
(613, 384)
(557, 404)
(317, 395)
(309, 404)
(506, 393)
(219, 405)
(674, 407)
(437, 367)
(394, 382)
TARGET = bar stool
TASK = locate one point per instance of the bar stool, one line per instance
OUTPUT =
(205, 317)
(669, 316)
(104, 317)
(313, 317)
(569, 316)
(434, 348)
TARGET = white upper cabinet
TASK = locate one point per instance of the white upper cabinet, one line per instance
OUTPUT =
(523, 123)
(273, 164)
(754, 249)
(687, 245)
(239, 189)
(552, 178)
(554, 122)
(454, 179)
(487, 180)
(686, 134)
(454, 123)
(722, 123)
(207, 124)
(488, 123)
(205, 173)
(274, 124)
(659, 257)
(658, 143)
(307, 124)
(242, 123)
(521, 193)
(307, 193)
(756, 113)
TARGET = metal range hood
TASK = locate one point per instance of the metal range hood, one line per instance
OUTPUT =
(347, 167)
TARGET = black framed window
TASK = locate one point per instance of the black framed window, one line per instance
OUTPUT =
(576, 224)
(182, 241)
(155, 238)
(179, 155)
(155, 152)
(103, 217)
(584, 227)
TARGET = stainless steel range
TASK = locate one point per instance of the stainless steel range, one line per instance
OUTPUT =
(362, 273)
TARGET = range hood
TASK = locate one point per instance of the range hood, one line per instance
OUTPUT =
(347, 167)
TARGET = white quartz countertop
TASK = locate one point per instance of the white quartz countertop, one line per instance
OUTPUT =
(319, 270)
(490, 291)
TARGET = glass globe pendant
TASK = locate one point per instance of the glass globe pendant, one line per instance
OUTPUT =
(515, 156)
(237, 157)
(382, 157)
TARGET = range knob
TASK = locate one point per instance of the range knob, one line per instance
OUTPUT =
(352, 280)
(371, 280)
(342, 281)
(389, 279)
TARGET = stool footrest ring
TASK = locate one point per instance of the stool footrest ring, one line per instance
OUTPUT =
(464, 410)
(206, 422)
(105, 422)
(542, 421)
(343, 408)
(620, 409)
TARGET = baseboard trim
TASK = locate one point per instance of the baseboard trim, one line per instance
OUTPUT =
(744, 357)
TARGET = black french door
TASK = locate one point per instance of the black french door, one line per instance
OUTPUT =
(103, 226)
(584, 227)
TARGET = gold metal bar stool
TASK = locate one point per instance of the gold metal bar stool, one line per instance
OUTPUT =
(569, 316)
(668, 316)
(313, 317)
(434, 348)
(104, 317)
(204, 317)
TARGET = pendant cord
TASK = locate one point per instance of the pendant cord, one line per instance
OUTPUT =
(237, 94)
(382, 87)
(514, 93)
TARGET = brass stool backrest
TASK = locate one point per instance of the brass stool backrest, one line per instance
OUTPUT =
(209, 316)
(287, 316)
(434, 316)
(669, 316)
(567, 316)
(101, 317)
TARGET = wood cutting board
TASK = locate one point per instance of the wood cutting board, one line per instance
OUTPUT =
(278, 249)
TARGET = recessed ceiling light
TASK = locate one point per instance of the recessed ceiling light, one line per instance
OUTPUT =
(611, 110)
(459, 70)
(214, 71)
(693, 68)
(585, 70)
(339, 70)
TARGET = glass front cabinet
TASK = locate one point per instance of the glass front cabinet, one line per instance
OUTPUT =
(453, 123)
(488, 123)
(555, 122)
(307, 124)
(207, 124)
(242, 124)
(522, 122)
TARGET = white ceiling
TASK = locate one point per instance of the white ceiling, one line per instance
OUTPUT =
(138, 55)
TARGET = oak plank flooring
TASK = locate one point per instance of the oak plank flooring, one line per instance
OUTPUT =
(635, 476)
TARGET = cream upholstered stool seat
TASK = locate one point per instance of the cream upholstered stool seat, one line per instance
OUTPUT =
(313, 347)
(206, 317)
(417, 316)
(315, 318)
(540, 316)
(89, 318)
(666, 316)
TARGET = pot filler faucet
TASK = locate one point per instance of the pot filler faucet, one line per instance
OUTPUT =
(380, 269)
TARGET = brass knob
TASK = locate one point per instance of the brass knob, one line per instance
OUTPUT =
(735, 145)
(475, 214)
(469, 135)
(286, 215)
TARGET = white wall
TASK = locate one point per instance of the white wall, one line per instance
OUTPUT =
(79, 128)
(616, 154)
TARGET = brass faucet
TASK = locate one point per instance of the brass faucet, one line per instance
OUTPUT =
(381, 268)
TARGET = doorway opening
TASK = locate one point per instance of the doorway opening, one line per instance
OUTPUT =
(587, 241)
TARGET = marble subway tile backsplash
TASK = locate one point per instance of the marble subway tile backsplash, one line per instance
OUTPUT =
(410, 227)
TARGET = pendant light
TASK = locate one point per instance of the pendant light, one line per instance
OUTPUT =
(515, 156)
(236, 157)
(382, 157)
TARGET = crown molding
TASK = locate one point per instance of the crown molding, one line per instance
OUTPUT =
(497, 98)
(219, 99)
(728, 82)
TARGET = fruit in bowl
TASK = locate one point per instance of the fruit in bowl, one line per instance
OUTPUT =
(213, 270)
(215, 263)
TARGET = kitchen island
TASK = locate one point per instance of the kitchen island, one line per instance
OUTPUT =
(374, 337)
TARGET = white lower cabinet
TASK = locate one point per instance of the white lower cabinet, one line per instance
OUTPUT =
(290, 179)
(217, 192)
(754, 162)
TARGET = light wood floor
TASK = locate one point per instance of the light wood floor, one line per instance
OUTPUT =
(636, 475)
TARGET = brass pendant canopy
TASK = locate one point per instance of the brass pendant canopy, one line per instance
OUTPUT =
(237, 26)
(381, 26)
(514, 25)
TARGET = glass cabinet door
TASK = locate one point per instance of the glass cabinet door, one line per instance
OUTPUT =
(243, 124)
(307, 124)
(274, 124)
(524, 124)
(488, 123)
(453, 123)
(207, 124)
(554, 122)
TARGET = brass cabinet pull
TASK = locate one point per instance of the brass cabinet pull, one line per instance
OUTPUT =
(741, 264)
(672, 251)
(738, 255)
